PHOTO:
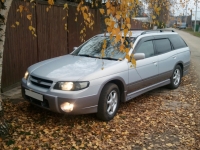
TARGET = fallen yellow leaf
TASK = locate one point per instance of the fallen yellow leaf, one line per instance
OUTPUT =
(17, 23)
(65, 6)
(45, 140)
(30, 28)
(29, 17)
(102, 11)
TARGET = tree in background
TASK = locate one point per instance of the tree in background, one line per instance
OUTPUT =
(159, 11)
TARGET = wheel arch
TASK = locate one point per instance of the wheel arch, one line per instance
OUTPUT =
(121, 85)
(180, 63)
(172, 84)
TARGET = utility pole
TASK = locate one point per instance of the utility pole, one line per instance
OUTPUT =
(195, 17)
(186, 14)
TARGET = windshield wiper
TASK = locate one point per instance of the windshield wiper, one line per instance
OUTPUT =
(110, 58)
(86, 55)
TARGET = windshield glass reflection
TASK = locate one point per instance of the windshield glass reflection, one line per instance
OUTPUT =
(93, 48)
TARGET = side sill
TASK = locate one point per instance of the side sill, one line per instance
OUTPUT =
(146, 89)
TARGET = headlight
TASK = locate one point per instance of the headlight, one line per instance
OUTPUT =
(26, 75)
(71, 86)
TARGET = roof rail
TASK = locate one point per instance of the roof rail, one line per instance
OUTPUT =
(161, 30)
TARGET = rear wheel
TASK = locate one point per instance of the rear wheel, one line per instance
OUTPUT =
(108, 102)
(176, 78)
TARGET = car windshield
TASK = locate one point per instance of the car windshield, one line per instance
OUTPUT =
(93, 48)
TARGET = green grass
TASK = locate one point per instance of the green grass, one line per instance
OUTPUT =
(191, 31)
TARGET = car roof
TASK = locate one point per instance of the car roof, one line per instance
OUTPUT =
(136, 33)
(154, 32)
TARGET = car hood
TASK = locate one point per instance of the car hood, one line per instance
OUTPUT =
(73, 68)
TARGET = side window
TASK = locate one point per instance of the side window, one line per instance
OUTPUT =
(177, 42)
(146, 48)
(162, 46)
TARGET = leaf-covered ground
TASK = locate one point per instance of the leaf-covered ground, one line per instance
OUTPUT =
(160, 119)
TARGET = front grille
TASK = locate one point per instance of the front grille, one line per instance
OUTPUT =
(41, 82)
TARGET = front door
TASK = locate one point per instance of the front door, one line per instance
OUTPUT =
(146, 71)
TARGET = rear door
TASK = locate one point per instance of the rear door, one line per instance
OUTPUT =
(167, 57)
(182, 50)
(146, 71)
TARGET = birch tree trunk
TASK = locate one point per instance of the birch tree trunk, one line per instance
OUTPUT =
(4, 129)
(2, 33)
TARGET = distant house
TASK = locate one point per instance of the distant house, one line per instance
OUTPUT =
(142, 19)
(178, 20)
(171, 21)
(140, 23)
(197, 18)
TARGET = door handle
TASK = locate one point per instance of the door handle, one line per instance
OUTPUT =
(155, 63)
(174, 57)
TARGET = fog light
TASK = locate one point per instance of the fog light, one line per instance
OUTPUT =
(67, 107)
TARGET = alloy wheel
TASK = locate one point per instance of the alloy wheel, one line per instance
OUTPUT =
(112, 102)
(176, 76)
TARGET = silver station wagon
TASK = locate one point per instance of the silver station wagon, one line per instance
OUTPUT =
(82, 82)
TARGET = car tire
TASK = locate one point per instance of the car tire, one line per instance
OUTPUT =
(176, 78)
(108, 102)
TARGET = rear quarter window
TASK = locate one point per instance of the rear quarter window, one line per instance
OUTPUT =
(177, 42)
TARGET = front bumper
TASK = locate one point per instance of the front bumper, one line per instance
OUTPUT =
(52, 101)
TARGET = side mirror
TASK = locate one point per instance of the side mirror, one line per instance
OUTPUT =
(139, 56)
(75, 48)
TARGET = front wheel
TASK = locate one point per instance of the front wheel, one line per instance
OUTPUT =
(176, 78)
(108, 102)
